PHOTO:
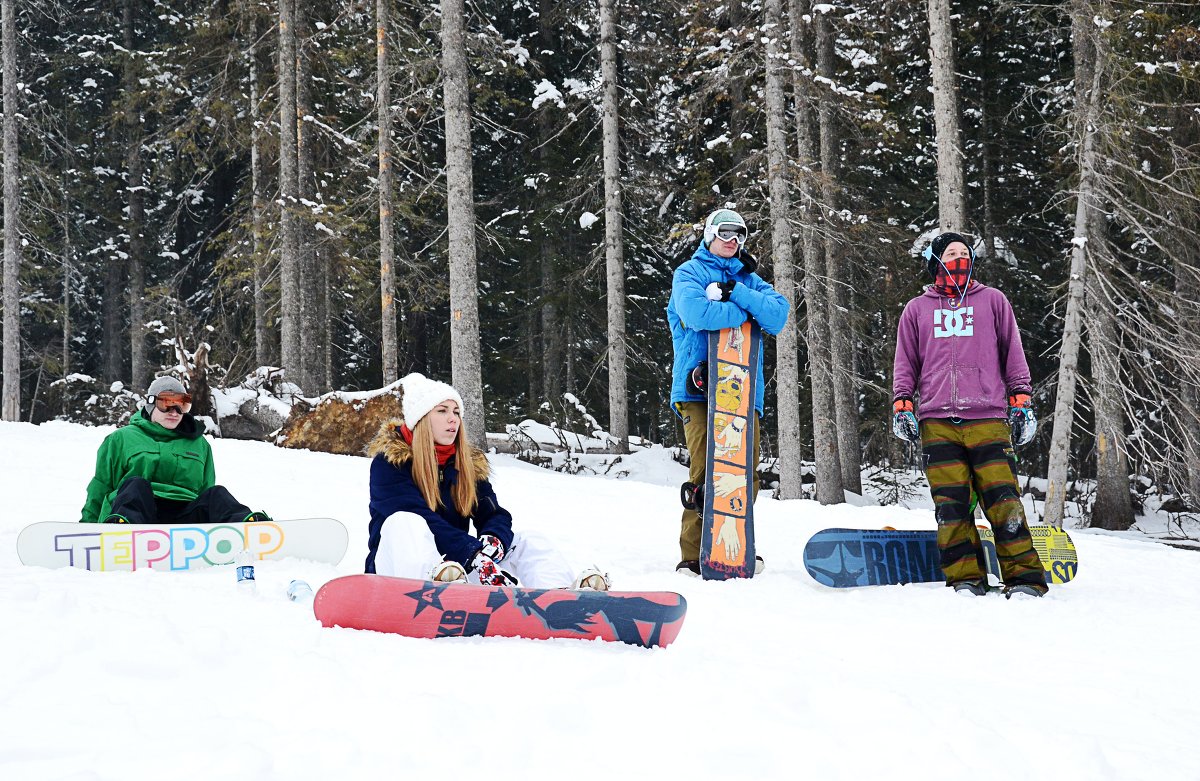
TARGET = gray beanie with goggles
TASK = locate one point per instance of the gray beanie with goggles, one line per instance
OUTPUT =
(159, 386)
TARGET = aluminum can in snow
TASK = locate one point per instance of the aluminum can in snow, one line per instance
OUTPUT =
(299, 591)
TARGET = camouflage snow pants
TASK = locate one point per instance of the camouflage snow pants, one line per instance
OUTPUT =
(695, 434)
(977, 455)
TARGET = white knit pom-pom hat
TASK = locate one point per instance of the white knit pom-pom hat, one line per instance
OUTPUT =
(422, 394)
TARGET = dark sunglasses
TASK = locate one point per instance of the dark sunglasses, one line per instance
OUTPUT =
(729, 234)
(180, 403)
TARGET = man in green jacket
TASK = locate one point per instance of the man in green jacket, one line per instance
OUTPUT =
(159, 468)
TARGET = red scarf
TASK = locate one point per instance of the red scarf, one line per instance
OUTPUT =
(443, 452)
(952, 277)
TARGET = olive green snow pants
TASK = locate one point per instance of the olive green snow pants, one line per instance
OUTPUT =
(968, 456)
(695, 435)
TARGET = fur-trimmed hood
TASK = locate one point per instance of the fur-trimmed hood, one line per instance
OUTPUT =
(391, 445)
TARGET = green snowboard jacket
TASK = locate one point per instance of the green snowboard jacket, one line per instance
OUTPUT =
(177, 462)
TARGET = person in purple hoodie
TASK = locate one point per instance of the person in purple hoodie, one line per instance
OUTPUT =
(960, 389)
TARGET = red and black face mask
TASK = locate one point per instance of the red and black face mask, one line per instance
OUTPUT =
(953, 276)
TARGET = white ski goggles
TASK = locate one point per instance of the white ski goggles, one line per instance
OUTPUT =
(731, 231)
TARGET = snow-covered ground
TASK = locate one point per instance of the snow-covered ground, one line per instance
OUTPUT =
(154, 675)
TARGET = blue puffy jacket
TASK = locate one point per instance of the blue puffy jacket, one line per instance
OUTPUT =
(691, 315)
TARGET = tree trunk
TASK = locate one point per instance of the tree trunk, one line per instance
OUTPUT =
(389, 342)
(325, 262)
(552, 335)
(1185, 476)
(987, 243)
(290, 294)
(113, 345)
(12, 219)
(569, 381)
(68, 264)
(312, 276)
(460, 208)
(1087, 100)
(618, 401)
(264, 354)
(1187, 286)
(844, 394)
(1112, 508)
(829, 487)
(952, 204)
(552, 339)
(787, 348)
(135, 218)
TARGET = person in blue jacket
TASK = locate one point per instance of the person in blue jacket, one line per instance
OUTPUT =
(429, 486)
(716, 288)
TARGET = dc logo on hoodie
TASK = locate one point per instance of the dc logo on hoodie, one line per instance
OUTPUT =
(953, 322)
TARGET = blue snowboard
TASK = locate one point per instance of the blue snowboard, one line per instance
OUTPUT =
(844, 558)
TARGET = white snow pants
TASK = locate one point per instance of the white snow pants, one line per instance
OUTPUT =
(407, 550)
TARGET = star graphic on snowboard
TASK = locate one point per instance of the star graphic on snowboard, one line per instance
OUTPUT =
(429, 595)
(833, 567)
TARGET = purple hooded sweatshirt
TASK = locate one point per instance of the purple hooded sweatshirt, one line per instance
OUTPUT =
(961, 362)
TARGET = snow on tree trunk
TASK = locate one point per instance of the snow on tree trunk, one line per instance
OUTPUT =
(389, 343)
(618, 401)
(788, 351)
(460, 207)
(829, 488)
(1087, 96)
(952, 205)
(12, 217)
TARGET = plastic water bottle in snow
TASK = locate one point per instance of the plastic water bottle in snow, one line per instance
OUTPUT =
(299, 591)
(245, 570)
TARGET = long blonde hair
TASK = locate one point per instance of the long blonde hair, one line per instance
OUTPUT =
(425, 469)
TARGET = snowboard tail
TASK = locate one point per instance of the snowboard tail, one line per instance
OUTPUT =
(425, 609)
(727, 518)
(844, 558)
(107, 547)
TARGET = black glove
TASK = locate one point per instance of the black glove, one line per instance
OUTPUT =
(697, 379)
(749, 263)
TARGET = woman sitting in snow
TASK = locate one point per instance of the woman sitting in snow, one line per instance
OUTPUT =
(428, 485)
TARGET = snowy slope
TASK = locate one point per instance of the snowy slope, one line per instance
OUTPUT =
(154, 675)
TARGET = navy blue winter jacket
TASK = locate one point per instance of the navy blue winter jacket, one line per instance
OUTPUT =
(393, 490)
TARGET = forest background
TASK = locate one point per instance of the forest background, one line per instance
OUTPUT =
(347, 189)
